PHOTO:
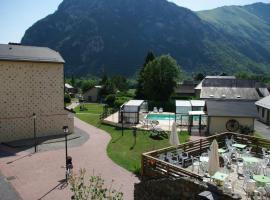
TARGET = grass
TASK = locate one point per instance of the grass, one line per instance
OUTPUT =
(257, 134)
(123, 150)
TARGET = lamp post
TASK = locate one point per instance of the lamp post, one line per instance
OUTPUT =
(65, 129)
(35, 132)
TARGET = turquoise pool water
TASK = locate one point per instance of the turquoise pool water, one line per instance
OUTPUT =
(160, 116)
(169, 117)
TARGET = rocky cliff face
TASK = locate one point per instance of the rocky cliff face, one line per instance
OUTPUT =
(97, 35)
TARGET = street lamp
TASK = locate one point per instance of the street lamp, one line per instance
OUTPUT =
(35, 132)
(65, 129)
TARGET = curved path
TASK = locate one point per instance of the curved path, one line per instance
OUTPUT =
(37, 175)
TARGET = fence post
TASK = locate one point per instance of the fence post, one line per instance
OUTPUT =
(200, 146)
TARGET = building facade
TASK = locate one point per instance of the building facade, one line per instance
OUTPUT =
(230, 116)
(263, 107)
(31, 81)
(92, 95)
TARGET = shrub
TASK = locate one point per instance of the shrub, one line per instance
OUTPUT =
(93, 189)
(67, 98)
(110, 99)
(246, 130)
(120, 101)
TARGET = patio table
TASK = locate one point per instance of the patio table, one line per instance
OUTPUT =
(219, 177)
(239, 146)
(261, 179)
(250, 159)
(204, 159)
(222, 150)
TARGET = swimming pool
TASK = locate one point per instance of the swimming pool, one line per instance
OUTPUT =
(170, 117)
(160, 116)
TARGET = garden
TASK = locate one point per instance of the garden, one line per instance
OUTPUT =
(125, 150)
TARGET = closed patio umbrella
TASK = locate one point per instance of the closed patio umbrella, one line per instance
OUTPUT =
(174, 140)
(213, 165)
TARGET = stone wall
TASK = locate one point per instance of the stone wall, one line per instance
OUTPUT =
(27, 88)
(175, 189)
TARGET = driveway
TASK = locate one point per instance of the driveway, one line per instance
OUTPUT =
(40, 175)
(263, 129)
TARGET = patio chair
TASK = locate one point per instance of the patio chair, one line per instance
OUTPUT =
(160, 110)
(249, 187)
(239, 165)
(155, 110)
(264, 164)
(265, 153)
(162, 156)
(227, 186)
(145, 122)
(171, 158)
(182, 157)
(261, 192)
(195, 163)
(267, 190)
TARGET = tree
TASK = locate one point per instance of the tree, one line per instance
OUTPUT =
(87, 84)
(199, 77)
(104, 79)
(139, 94)
(120, 83)
(160, 77)
(107, 88)
(73, 82)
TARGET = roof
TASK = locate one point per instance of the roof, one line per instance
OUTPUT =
(29, 53)
(221, 77)
(134, 103)
(98, 86)
(184, 89)
(240, 83)
(68, 86)
(229, 93)
(265, 102)
(231, 109)
(182, 103)
(198, 103)
(199, 112)
(199, 86)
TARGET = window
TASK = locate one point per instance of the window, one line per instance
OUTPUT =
(263, 112)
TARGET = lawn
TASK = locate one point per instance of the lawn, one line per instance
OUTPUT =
(122, 149)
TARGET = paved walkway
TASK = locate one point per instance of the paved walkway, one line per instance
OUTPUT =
(39, 176)
(73, 105)
(7, 189)
(263, 129)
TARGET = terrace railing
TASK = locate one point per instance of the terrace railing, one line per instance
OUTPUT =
(153, 167)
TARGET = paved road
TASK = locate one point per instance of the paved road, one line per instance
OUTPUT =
(263, 129)
(39, 176)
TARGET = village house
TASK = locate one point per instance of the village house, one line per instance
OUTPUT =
(185, 88)
(69, 89)
(32, 93)
(230, 115)
(228, 87)
(92, 95)
(263, 107)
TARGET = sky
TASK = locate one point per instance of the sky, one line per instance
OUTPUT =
(16, 16)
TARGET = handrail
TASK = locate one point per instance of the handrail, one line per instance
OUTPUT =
(196, 148)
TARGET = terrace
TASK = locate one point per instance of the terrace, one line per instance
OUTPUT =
(243, 171)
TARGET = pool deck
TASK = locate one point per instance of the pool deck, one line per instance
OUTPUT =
(164, 124)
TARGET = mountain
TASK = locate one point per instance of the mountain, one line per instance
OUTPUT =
(114, 36)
